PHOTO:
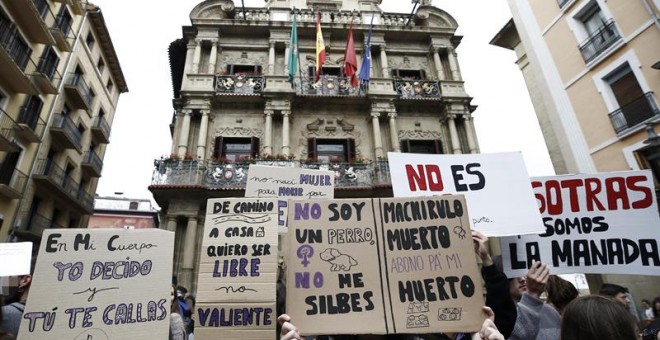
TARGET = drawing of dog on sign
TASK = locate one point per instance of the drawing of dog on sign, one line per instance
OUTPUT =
(338, 260)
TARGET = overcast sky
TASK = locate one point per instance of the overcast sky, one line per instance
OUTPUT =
(142, 31)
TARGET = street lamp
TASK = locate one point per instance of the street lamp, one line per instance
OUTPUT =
(653, 138)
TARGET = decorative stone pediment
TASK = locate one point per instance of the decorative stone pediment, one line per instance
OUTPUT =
(213, 9)
(239, 132)
(434, 17)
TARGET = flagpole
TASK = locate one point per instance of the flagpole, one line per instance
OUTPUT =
(300, 75)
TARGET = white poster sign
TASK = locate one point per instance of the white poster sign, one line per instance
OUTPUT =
(15, 258)
(496, 187)
(285, 182)
(604, 223)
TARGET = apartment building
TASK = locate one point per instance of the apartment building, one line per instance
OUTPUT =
(592, 70)
(60, 81)
(234, 105)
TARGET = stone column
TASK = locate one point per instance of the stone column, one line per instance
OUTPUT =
(453, 134)
(438, 63)
(185, 130)
(378, 143)
(197, 56)
(171, 223)
(287, 51)
(203, 130)
(213, 57)
(271, 58)
(178, 117)
(394, 134)
(469, 132)
(383, 61)
(286, 148)
(189, 250)
(268, 132)
(453, 64)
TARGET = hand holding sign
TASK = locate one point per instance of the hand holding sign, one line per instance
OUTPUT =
(537, 278)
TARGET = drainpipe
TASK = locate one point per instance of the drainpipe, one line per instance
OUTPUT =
(654, 15)
(12, 237)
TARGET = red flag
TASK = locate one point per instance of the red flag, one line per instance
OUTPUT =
(350, 59)
(320, 45)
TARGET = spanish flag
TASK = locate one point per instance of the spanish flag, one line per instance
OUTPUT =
(320, 46)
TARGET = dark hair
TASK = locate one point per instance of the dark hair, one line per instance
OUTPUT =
(174, 306)
(610, 289)
(656, 312)
(596, 317)
(560, 292)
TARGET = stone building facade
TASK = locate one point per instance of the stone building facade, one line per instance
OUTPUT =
(60, 81)
(233, 104)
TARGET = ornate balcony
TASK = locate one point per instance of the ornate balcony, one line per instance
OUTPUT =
(54, 179)
(12, 183)
(78, 92)
(219, 175)
(8, 129)
(15, 61)
(65, 134)
(239, 84)
(604, 37)
(328, 86)
(634, 113)
(415, 89)
(31, 16)
(101, 130)
(91, 164)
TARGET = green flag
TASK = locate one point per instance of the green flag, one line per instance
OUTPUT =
(293, 53)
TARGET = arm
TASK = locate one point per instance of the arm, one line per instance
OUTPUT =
(497, 287)
(529, 308)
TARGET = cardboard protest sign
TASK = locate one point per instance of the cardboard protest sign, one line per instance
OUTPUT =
(15, 258)
(100, 284)
(604, 223)
(284, 183)
(382, 266)
(496, 187)
(238, 270)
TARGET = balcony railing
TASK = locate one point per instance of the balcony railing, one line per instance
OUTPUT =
(31, 125)
(417, 88)
(32, 17)
(8, 129)
(66, 133)
(239, 84)
(636, 112)
(327, 17)
(604, 37)
(328, 86)
(101, 130)
(62, 32)
(15, 46)
(78, 91)
(46, 76)
(562, 3)
(35, 224)
(12, 183)
(92, 164)
(217, 175)
(46, 171)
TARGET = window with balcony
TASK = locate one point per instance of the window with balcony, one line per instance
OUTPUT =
(331, 150)
(31, 111)
(90, 40)
(405, 74)
(235, 149)
(635, 106)
(8, 166)
(100, 65)
(600, 32)
(48, 62)
(236, 69)
(13, 42)
(64, 21)
(425, 146)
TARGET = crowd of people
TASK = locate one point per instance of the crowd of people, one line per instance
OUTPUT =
(514, 308)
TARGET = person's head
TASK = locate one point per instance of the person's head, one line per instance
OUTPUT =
(174, 303)
(646, 304)
(615, 292)
(595, 317)
(560, 292)
(181, 291)
(517, 286)
(656, 307)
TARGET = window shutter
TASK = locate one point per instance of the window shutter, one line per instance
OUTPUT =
(311, 148)
(254, 142)
(350, 149)
(405, 145)
(217, 152)
(438, 146)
